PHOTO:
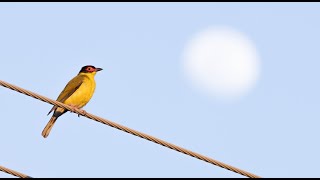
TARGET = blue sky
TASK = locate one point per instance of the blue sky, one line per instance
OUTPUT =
(272, 131)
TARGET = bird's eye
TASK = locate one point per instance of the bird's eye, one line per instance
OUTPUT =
(89, 68)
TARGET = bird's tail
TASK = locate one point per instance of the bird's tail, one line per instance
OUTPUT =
(47, 129)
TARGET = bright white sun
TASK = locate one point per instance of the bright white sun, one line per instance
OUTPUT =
(221, 62)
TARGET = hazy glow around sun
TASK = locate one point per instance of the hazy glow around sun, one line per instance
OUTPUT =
(221, 62)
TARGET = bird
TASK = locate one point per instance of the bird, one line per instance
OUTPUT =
(77, 93)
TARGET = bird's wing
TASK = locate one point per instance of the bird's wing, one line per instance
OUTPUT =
(69, 89)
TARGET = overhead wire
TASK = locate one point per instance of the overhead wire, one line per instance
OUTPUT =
(129, 130)
(14, 173)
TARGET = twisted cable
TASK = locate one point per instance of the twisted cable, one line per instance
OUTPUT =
(129, 130)
(14, 173)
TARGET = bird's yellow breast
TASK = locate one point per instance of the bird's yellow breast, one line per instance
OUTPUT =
(84, 93)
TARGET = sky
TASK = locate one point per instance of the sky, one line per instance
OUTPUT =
(269, 129)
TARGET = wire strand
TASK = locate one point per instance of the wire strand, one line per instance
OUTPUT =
(130, 131)
(14, 173)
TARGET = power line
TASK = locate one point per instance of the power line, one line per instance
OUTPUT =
(129, 130)
(14, 173)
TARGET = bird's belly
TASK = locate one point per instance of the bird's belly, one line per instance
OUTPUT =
(81, 96)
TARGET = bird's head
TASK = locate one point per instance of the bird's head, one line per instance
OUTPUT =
(90, 69)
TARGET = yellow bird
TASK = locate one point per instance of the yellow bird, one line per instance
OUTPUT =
(77, 94)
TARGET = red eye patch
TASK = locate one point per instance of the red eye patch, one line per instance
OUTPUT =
(90, 69)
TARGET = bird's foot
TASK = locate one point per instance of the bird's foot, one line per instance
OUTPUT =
(83, 112)
(73, 108)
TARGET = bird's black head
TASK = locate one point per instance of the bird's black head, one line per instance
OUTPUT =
(89, 69)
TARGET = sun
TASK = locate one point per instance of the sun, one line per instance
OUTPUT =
(221, 62)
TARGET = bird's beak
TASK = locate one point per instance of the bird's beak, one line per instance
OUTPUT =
(98, 69)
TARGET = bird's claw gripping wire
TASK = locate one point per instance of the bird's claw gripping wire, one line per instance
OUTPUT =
(74, 110)
(83, 112)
